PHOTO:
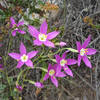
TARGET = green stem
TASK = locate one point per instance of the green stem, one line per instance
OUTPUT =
(5, 60)
(32, 82)
(21, 74)
(40, 54)
(55, 52)
(43, 69)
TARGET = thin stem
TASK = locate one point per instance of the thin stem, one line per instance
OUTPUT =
(59, 50)
(43, 69)
(5, 60)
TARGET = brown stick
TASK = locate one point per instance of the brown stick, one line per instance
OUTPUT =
(1, 7)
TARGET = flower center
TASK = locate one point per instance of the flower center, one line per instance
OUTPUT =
(24, 58)
(51, 72)
(63, 62)
(42, 37)
(83, 51)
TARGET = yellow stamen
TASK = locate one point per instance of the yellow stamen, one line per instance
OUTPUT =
(83, 51)
(42, 37)
(63, 62)
(86, 50)
(24, 58)
(51, 72)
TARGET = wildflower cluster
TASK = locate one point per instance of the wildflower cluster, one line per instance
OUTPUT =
(61, 67)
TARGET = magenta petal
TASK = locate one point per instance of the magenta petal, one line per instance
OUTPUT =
(15, 55)
(20, 23)
(79, 59)
(49, 44)
(62, 44)
(0, 45)
(64, 55)
(57, 68)
(87, 62)
(33, 31)
(19, 87)
(68, 71)
(52, 35)
(1, 67)
(14, 32)
(71, 61)
(39, 85)
(22, 48)
(60, 74)
(91, 51)
(21, 31)
(32, 54)
(50, 67)
(29, 63)
(43, 27)
(86, 42)
(12, 20)
(37, 42)
(57, 58)
(46, 77)
(78, 46)
(20, 64)
(54, 81)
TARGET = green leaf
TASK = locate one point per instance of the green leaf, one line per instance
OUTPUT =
(2, 86)
(32, 82)
(54, 60)
(1, 75)
(40, 2)
(1, 12)
(27, 37)
(11, 81)
(97, 26)
(44, 64)
(72, 50)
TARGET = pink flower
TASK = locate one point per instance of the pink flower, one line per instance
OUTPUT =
(42, 37)
(63, 63)
(1, 67)
(19, 87)
(62, 44)
(83, 52)
(39, 85)
(0, 45)
(23, 57)
(16, 27)
(53, 72)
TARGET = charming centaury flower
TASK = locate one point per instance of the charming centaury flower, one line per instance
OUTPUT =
(0, 45)
(83, 52)
(1, 67)
(19, 87)
(53, 72)
(23, 57)
(62, 44)
(16, 27)
(63, 63)
(42, 37)
(39, 85)
(0, 57)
